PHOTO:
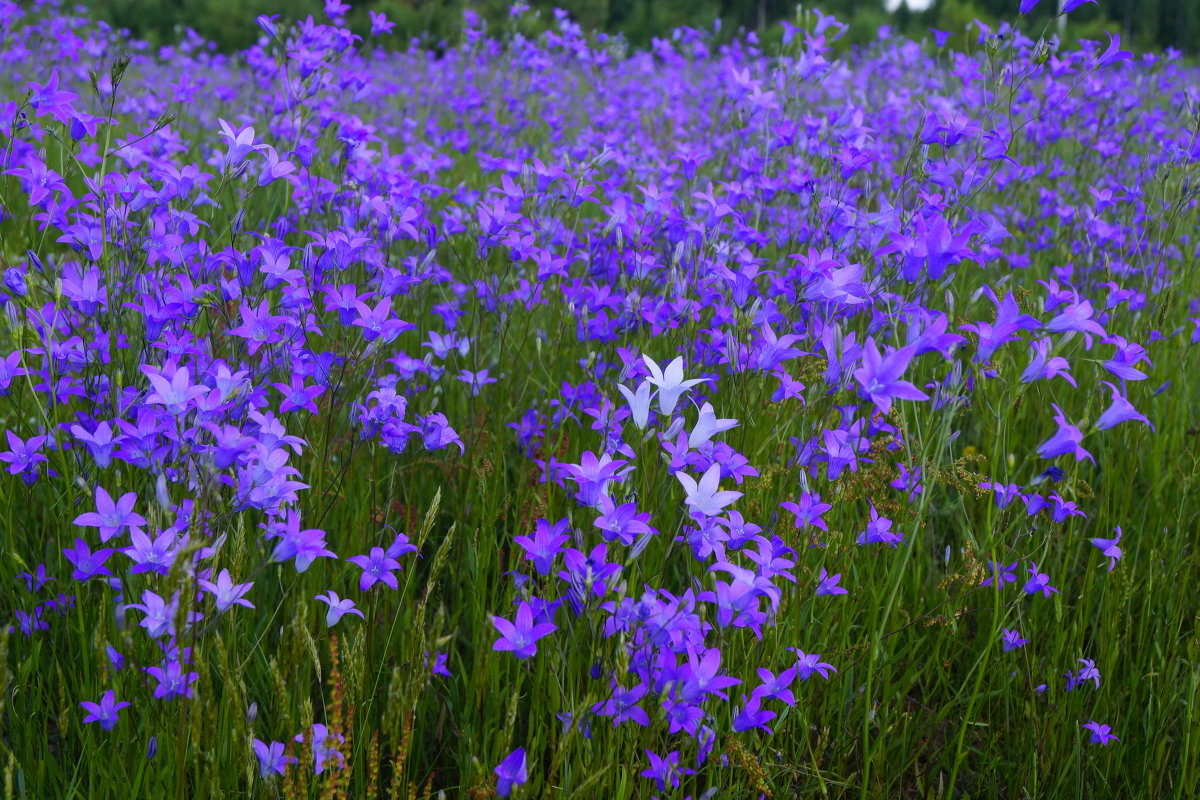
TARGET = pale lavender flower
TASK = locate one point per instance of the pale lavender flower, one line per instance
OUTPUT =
(670, 382)
(707, 426)
(706, 497)
(226, 593)
(639, 403)
(338, 607)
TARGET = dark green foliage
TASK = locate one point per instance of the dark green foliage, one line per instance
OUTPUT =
(1144, 23)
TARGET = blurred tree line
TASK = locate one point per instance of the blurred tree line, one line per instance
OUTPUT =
(229, 23)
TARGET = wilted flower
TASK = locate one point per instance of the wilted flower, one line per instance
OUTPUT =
(1110, 548)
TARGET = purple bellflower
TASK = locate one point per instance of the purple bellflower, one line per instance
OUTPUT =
(1065, 441)
(808, 511)
(665, 771)
(377, 567)
(512, 771)
(226, 593)
(1110, 548)
(104, 712)
(87, 564)
(1101, 734)
(669, 382)
(338, 607)
(271, 758)
(545, 544)
(1009, 320)
(112, 517)
(752, 715)
(808, 664)
(706, 497)
(1011, 639)
(521, 638)
(879, 376)
(1038, 582)
(1121, 410)
(828, 584)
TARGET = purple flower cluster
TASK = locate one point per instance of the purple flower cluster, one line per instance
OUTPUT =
(669, 636)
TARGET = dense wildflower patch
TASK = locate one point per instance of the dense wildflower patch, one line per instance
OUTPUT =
(539, 416)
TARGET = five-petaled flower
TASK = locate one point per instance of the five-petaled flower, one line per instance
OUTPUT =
(1000, 574)
(665, 770)
(752, 715)
(1120, 410)
(227, 593)
(879, 376)
(1065, 441)
(104, 712)
(706, 497)
(670, 382)
(1089, 672)
(639, 402)
(808, 511)
(808, 664)
(1101, 734)
(521, 638)
(377, 567)
(112, 517)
